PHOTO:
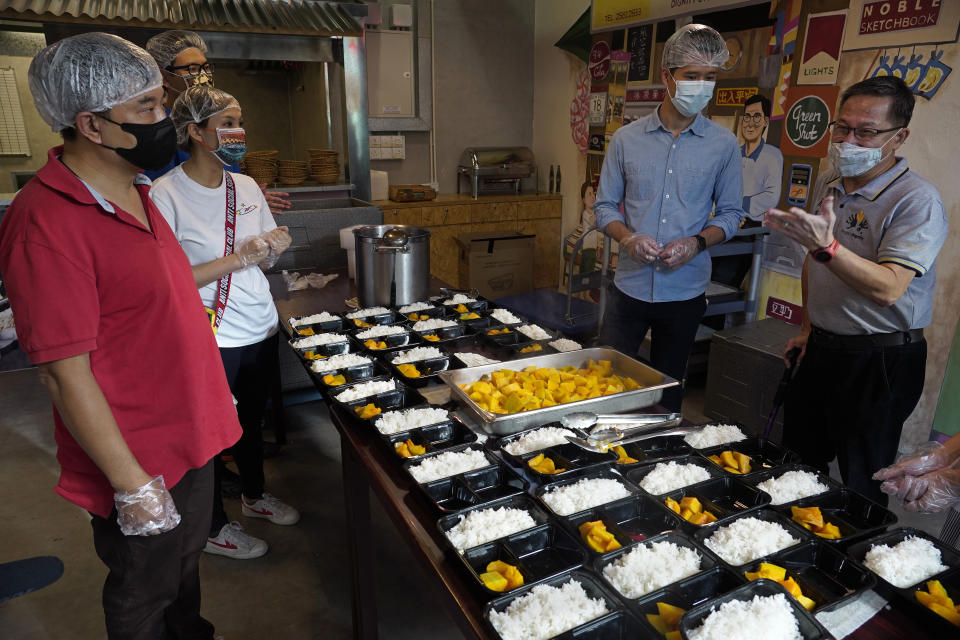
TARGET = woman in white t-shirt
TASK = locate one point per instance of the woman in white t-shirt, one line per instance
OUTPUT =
(206, 206)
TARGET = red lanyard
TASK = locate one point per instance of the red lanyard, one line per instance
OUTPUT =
(230, 229)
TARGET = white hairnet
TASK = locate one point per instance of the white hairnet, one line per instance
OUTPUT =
(196, 104)
(695, 45)
(88, 72)
(166, 46)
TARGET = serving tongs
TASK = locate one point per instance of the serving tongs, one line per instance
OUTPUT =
(605, 430)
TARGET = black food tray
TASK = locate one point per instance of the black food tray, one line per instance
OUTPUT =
(639, 472)
(764, 454)
(761, 476)
(470, 488)
(539, 553)
(810, 627)
(428, 369)
(795, 530)
(856, 516)
(437, 437)
(825, 575)
(432, 312)
(336, 325)
(934, 622)
(608, 473)
(596, 628)
(725, 498)
(403, 340)
(389, 317)
(403, 397)
(949, 556)
(630, 520)
(573, 459)
(518, 501)
(373, 370)
(325, 350)
(707, 560)
(687, 593)
(446, 335)
(654, 450)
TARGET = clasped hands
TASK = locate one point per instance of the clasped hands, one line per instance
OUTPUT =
(645, 250)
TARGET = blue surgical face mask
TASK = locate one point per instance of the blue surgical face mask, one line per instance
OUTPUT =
(692, 95)
(852, 160)
(232, 145)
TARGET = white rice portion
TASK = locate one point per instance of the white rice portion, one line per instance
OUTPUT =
(504, 316)
(474, 359)
(416, 306)
(416, 355)
(792, 485)
(365, 390)
(646, 568)
(565, 344)
(340, 361)
(433, 323)
(314, 319)
(381, 330)
(747, 539)
(396, 421)
(546, 611)
(483, 525)
(449, 464)
(713, 435)
(905, 564)
(670, 476)
(534, 332)
(458, 299)
(538, 439)
(583, 495)
(767, 617)
(318, 339)
(369, 311)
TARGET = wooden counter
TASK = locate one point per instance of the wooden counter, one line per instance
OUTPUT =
(452, 214)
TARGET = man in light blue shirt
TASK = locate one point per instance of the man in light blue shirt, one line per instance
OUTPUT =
(670, 170)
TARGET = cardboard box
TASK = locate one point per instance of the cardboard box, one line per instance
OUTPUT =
(496, 263)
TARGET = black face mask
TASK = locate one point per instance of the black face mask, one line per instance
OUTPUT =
(156, 143)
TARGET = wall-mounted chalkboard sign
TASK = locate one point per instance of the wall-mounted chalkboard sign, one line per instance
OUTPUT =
(640, 41)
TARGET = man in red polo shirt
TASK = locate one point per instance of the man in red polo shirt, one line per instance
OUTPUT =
(107, 307)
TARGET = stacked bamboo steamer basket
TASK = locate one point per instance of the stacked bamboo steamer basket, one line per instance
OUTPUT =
(291, 172)
(262, 166)
(324, 165)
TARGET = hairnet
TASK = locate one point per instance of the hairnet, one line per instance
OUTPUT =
(88, 72)
(196, 104)
(166, 46)
(695, 45)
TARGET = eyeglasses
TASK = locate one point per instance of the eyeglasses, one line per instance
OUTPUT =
(757, 118)
(194, 69)
(863, 134)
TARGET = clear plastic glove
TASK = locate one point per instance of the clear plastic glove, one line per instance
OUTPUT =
(295, 281)
(319, 280)
(279, 240)
(148, 511)
(679, 252)
(930, 456)
(932, 492)
(641, 248)
(252, 251)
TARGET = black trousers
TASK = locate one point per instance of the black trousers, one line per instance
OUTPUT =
(850, 404)
(673, 327)
(251, 370)
(152, 591)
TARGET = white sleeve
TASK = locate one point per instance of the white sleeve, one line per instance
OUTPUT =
(163, 198)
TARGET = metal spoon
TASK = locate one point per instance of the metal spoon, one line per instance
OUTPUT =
(604, 447)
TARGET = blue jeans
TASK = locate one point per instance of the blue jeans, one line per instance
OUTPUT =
(673, 327)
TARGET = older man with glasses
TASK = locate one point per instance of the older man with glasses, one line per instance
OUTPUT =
(868, 289)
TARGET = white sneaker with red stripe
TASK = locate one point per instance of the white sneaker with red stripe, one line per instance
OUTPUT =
(232, 542)
(269, 508)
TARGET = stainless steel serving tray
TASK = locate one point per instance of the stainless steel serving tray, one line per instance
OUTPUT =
(653, 384)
